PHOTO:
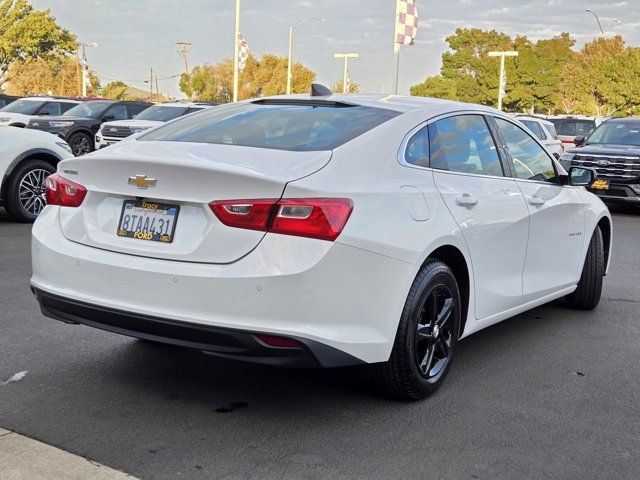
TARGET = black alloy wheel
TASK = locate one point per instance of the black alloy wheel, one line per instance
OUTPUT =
(80, 144)
(426, 338)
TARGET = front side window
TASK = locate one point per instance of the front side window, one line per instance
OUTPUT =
(464, 144)
(281, 126)
(530, 160)
(118, 112)
(160, 113)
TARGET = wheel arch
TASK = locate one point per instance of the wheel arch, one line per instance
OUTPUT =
(35, 153)
(606, 228)
(456, 260)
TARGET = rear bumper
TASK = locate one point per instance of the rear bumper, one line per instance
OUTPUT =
(222, 342)
(331, 294)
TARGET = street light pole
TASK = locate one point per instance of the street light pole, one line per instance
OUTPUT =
(289, 60)
(597, 19)
(345, 74)
(503, 75)
(235, 53)
(85, 71)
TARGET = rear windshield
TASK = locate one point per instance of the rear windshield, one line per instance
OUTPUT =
(161, 113)
(296, 127)
(574, 127)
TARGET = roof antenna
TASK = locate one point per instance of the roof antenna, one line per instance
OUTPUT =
(319, 90)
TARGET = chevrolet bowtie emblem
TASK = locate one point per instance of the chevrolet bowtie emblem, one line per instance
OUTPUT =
(142, 181)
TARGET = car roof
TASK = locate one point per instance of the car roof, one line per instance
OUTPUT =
(630, 120)
(534, 119)
(48, 97)
(183, 104)
(399, 103)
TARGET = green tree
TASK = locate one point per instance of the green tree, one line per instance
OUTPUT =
(116, 90)
(53, 74)
(260, 77)
(470, 75)
(602, 79)
(27, 34)
(437, 87)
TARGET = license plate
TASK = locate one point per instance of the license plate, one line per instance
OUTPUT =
(146, 220)
(600, 184)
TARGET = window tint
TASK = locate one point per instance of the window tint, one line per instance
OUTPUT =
(464, 144)
(535, 128)
(284, 126)
(50, 108)
(64, 106)
(119, 112)
(551, 128)
(530, 159)
(135, 110)
(417, 151)
(193, 110)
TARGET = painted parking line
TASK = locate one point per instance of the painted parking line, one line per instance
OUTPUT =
(23, 458)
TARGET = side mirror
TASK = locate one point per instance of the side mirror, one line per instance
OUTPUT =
(582, 177)
(580, 140)
(556, 155)
(108, 118)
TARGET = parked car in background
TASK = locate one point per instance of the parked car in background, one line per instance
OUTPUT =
(19, 112)
(27, 158)
(321, 230)
(113, 132)
(79, 125)
(545, 131)
(571, 126)
(613, 150)
(6, 99)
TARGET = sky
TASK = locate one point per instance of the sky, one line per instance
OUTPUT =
(134, 36)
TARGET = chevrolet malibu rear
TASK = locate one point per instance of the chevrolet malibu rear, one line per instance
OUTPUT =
(211, 233)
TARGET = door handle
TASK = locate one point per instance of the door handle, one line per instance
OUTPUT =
(536, 201)
(466, 200)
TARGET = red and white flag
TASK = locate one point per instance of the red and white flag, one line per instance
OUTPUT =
(406, 22)
(243, 52)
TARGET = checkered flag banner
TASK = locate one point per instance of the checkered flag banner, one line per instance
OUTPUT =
(406, 22)
(243, 52)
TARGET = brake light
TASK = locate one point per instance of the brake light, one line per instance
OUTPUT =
(320, 218)
(63, 192)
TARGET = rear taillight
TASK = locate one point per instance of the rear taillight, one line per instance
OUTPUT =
(63, 192)
(321, 218)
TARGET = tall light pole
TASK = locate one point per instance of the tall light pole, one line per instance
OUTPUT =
(289, 61)
(345, 74)
(182, 48)
(503, 75)
(235, 53)
(597, 20)
(85, 70)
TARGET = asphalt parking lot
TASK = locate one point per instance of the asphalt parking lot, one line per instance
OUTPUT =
(552, 393)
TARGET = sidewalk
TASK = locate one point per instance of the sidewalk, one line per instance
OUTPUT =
(22, 458)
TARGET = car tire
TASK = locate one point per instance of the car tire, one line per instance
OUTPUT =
(81, 144)
(587, 295)
(422, 354)
(24, 198)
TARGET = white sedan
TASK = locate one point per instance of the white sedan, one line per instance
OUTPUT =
(321, 230)
(27, 158)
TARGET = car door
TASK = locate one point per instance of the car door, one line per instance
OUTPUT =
(556, 214)
(487, 206)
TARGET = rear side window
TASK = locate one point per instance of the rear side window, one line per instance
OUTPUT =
(464, 144)
(535, 128)
(64, 106)
(551, 128)
(296, 127)
(417, 151)
(50, 108)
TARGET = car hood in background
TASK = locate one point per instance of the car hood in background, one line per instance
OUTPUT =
(606, 148)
